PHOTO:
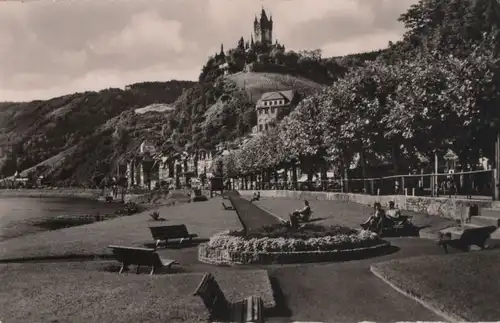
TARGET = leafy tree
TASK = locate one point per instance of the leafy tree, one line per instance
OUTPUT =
(302, 135)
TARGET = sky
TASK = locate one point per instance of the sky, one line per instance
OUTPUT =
(50, 48)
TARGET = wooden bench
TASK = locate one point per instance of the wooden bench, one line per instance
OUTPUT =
(402, 223)
(164, 233)
(227, 207)
(251, 309)
(470, 237)
(140, 257)
(227, 194)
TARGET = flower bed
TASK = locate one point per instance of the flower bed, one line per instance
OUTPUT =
(281, 244)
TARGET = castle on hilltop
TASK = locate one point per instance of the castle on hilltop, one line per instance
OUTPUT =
(263, 28)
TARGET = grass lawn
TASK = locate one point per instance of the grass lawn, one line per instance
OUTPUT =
(464, 285)
(256, 83)
(84, 292)
(343, 213)
(202, 218)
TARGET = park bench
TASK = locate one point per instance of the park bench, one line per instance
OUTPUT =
(250, 309)
(225, 195)
(167, 232)
(227, 207)
(401, 224)
(469, 237)
(140, 257)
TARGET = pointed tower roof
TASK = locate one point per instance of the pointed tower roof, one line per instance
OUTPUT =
(263, 15)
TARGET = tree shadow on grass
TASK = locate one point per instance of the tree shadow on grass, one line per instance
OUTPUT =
(413, 231)
(366, 254)
(281, 309)
(316, 220)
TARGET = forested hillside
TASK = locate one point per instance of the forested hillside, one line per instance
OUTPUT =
(78, 128)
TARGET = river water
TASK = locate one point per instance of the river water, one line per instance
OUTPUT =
(18, 214)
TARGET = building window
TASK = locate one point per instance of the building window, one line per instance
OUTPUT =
(267, 110)
(265, 103)
(267, 126)
(273, 110)
(282, 102)
(260, 127)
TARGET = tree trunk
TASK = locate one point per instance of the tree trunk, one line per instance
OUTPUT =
(294, 175)
(324, 177)
(285, 174)
(395, 159)
(363, 172)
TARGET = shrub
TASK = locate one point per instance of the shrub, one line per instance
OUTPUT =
(200, 198)
(155, 215)
(316, 239)
(130, 208)
(304, 232)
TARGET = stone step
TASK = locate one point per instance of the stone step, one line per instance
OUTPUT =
(494, 241)
(456, 232)
(483, 220)
(472, 226)
(431, 235)
(490, 212)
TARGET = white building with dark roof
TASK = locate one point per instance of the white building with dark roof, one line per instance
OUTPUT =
(271, 107)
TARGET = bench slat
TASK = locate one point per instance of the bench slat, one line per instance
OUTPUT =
(171, 232)
(167, 262)
(247, 310)
(130, 248)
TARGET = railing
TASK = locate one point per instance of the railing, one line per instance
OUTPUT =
(477, 184)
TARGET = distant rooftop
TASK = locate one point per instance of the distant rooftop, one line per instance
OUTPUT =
(278, 95)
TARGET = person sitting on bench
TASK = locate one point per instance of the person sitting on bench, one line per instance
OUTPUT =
(376, 221)
(393, 213)
(256, 197)
(303, 214)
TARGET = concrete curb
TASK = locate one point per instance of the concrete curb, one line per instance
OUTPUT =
(449, 317)
(68, 258)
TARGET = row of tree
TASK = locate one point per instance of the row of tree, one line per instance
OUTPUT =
(427, 95)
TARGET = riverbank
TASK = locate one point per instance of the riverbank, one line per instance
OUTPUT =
(52, 192)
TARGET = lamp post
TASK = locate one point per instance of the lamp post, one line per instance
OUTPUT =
(496, 181)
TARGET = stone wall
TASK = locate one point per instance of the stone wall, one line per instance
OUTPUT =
(450, 208)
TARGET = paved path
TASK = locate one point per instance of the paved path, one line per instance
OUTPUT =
(349, 292)
(253, 216)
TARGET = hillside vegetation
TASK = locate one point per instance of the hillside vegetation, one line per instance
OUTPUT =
(76, 135)
(437, 89)
(255, 84)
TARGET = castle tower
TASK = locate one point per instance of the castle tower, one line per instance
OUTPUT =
(263, 28)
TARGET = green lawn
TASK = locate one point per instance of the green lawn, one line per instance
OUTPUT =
(465, 285)
(85, 292)
(343, 213)
(202, 218)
